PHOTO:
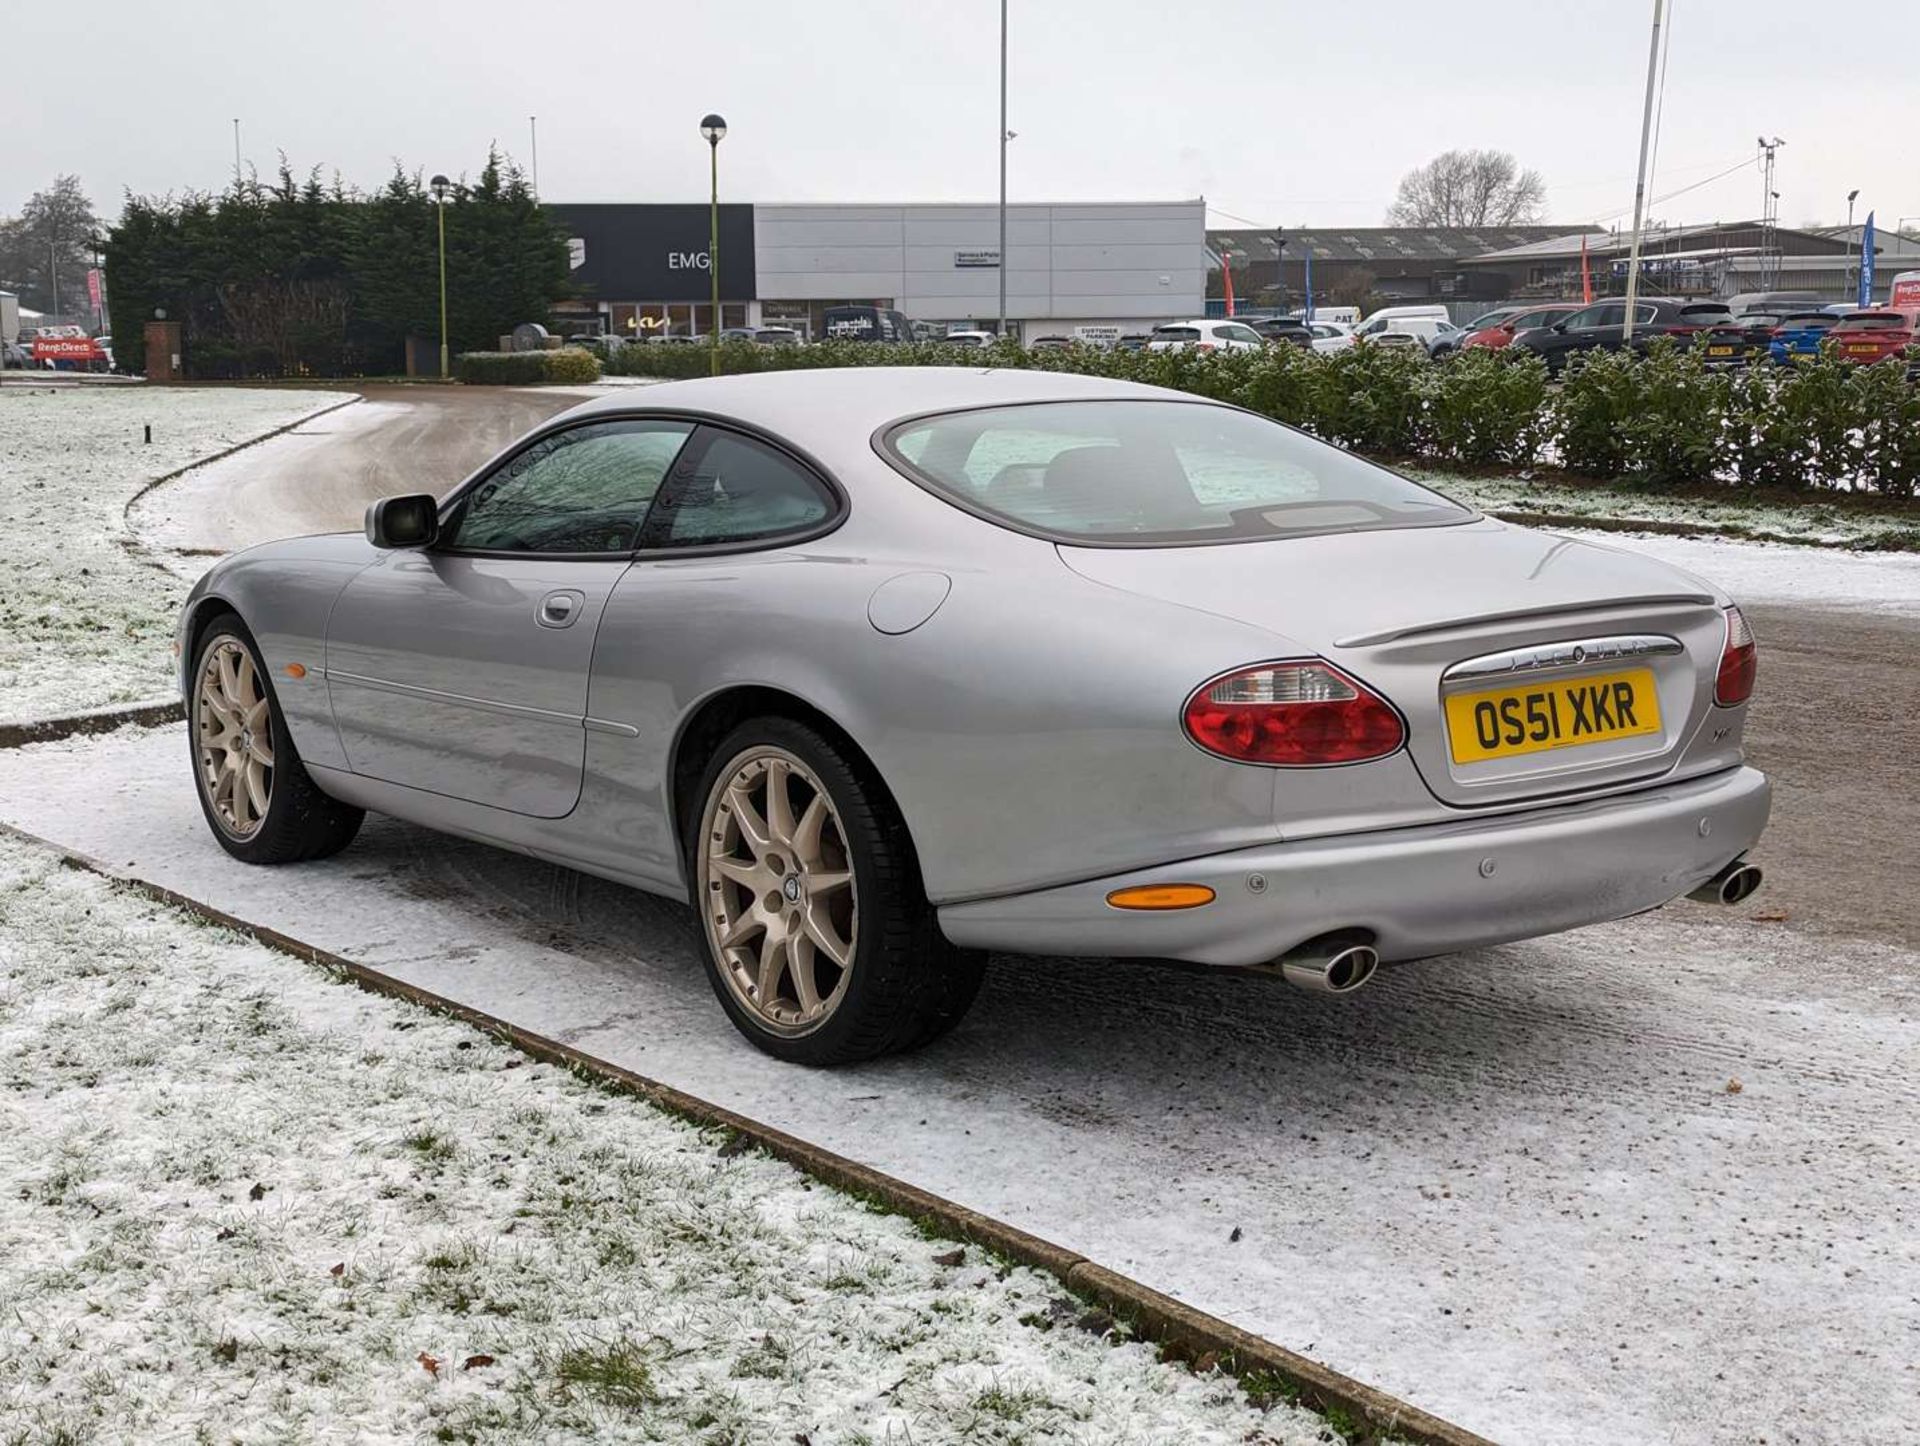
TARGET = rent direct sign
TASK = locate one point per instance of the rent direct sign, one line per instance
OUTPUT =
(66, 348)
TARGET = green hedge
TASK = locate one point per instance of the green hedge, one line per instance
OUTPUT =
(1662, 419)
(567, 366)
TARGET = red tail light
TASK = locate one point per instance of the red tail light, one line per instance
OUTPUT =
(1738, 663)
(1293, 715)
(1203, 346)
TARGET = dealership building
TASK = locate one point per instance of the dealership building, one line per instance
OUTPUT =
(1085, 270)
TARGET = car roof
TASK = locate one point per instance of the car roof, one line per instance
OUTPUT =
(825, 410)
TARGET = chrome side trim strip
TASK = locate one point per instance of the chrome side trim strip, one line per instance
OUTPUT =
(607, 725)
(485, 705)
(1572, 654)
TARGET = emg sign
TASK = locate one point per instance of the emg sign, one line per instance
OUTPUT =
(649, 253)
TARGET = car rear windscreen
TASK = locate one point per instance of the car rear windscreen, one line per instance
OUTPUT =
(1145, 473)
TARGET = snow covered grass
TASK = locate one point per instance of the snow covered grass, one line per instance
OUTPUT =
(241, 1199)
(83, 621)
(1839, 520)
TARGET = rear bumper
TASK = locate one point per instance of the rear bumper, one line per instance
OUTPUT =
(1417, 891)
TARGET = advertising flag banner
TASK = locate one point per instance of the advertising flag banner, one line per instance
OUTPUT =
(1865, 298)
(93, 287)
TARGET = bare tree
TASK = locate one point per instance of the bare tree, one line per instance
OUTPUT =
(52, 235)
(1469, 188)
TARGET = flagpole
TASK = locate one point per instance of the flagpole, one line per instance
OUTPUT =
(1640, 180)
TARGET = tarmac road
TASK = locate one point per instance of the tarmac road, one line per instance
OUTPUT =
(321, 476)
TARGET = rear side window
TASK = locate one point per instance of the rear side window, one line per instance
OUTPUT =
(1176, 333)
(734, 489)
(1150, 473)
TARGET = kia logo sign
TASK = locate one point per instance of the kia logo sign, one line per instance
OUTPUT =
(688, 261)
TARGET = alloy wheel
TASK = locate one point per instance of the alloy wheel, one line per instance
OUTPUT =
(777, 887)
(233, 722)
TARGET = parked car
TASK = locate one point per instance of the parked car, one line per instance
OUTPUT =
(1206, 334)
(1133, 341)
(1873, 336)
(1330, 336)
(1776, 301)
(1492, 318)
(1511, 322)
(1417, 331)
(1799, 334)
(13, 355)
(1050, 343)
(681, 638)
(738, 333)
(1597, 327)
(777, 336)
(1288, 329)
(967, 338)
(1739, 341)
(1444, 340)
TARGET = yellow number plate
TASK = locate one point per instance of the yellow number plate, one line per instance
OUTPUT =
(1506, 722)
(1719, 351)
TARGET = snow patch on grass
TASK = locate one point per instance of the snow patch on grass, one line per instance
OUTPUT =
(83, 622)
(240, 1199)
(1731, 511)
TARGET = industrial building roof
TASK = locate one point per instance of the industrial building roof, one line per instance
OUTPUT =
(1381, 243)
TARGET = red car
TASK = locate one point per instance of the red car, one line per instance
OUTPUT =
(1871, 336)
(1504, 328)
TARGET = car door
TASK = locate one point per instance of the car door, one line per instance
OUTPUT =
(462, 668)
(718, 583)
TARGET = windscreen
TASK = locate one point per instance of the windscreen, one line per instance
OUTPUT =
(1150, 473)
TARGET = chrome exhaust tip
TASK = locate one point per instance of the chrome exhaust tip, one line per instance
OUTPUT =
(1333, 964)
(1737, 881)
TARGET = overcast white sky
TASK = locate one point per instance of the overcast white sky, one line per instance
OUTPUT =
(1278, 112)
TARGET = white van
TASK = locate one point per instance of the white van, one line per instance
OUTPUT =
(1344, 315)
(1386, 317)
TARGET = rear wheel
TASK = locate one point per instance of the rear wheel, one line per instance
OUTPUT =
(259, 800)
(821, 945)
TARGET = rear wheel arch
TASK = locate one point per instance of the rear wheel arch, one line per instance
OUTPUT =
(718, 716)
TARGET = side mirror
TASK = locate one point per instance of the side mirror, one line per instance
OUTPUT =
(411, 521)
(1559, 326)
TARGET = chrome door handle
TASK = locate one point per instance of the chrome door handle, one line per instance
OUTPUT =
(559, 609)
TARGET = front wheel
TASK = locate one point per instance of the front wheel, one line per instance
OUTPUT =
(259, 800)
(821, 945)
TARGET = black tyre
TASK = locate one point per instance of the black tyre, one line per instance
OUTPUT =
(260, 802)
(821, 945)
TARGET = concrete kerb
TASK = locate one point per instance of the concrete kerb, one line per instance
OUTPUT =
(97, 720)
(126, 512)
(1181, 1331)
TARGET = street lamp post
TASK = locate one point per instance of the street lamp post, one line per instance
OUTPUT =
(1852, 196)
(714, 129)
(441, 185)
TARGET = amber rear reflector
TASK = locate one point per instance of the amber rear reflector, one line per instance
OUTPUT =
(1161, 896)
(296, 670)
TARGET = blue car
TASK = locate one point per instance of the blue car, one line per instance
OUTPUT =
(1799, 335)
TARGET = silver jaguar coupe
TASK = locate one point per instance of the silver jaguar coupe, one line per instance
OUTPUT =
(884, 668)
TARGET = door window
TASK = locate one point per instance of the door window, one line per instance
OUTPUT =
(584, 490)
(737, 489)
